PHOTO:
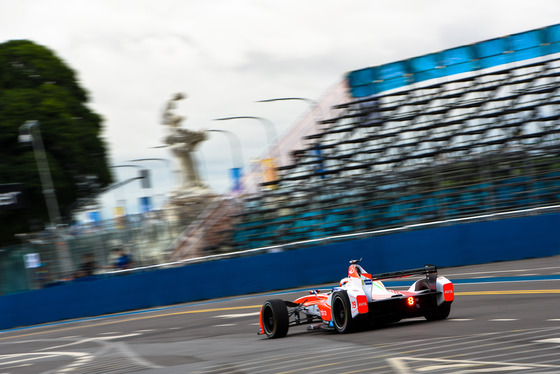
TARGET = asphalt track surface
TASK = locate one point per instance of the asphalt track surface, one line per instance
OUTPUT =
(505, 319)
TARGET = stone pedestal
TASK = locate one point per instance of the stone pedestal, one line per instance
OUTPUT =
(186, 205)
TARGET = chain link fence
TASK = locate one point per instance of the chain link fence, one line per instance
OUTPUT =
(47, 258)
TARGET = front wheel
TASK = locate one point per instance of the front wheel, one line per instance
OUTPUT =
(275, 318)
(438, 312)
(341, 312)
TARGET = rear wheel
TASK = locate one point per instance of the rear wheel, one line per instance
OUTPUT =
(438, 312)
(422, 285)
(341, 312)
(275, 318)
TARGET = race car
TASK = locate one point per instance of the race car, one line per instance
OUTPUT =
(360, 300)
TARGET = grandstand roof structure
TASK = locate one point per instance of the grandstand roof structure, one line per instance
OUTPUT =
(467, 132)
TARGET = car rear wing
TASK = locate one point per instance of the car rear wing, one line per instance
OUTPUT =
(429, 270)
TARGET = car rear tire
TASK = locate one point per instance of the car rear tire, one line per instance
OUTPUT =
(342, 313)
(422, 285)
(275, 318)
(438, 312)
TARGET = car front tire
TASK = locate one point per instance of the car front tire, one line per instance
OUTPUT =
(342, 313)
(275, 318)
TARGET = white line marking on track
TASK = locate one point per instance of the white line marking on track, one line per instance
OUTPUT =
(225, 325)
(16, 366)
(503, 319)
(31, 356)
(487, 370)
(238, 315)
(129, 353)
(79, 342)
(550, 340)
(554, 320)
(400, 366)
(460, 319)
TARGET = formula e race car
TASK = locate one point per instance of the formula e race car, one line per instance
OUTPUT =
(361, 300)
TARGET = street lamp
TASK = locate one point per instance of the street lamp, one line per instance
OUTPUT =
(25, 136)
(271, 133)
(165, 160)
(128, 166)
(235, 147)
(314, 104)
(144, 183)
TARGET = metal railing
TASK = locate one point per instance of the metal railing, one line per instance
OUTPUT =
(145, 237)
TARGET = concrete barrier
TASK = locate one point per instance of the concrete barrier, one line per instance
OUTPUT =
(459, 244)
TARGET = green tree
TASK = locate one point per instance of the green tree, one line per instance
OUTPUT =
(37, 85)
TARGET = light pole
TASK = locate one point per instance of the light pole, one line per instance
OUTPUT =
(314, 104)
(26, 136)
(128, 166)
(169, 168)
(144, 181)
(235, 147)
(165, 160)
(236, 157)
(271, 133)
(142, 170)
(267, 166)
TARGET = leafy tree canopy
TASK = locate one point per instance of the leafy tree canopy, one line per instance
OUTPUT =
(37, 85)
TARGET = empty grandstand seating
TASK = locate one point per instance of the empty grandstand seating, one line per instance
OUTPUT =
(477, 143)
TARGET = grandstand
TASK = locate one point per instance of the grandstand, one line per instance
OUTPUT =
(472, 131)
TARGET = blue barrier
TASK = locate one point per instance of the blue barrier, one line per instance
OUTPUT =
(459, 244)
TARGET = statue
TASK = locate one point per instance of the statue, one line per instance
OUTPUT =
(183, 143)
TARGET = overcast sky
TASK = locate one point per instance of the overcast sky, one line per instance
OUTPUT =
(132, 55)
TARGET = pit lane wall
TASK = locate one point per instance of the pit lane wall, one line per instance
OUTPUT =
(460, 244)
